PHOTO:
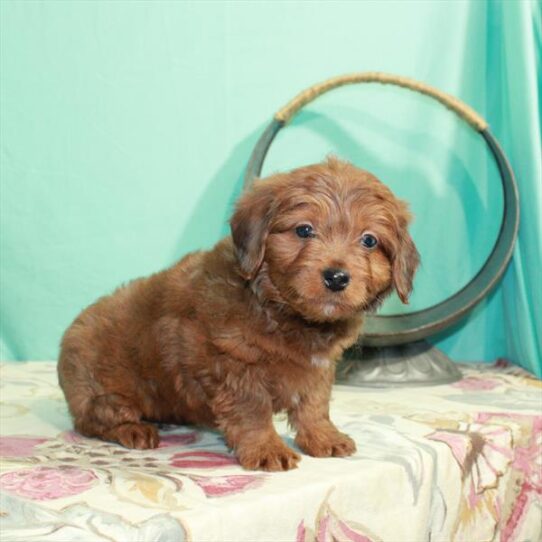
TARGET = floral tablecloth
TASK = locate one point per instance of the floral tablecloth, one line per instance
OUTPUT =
(444, 463)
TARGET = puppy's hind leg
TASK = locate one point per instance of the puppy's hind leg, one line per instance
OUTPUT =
(114, 417)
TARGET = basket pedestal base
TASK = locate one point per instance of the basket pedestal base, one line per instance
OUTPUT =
(414, 364)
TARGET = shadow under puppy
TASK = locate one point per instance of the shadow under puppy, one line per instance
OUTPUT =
(227, 337)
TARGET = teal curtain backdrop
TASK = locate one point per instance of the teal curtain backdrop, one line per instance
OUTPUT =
(126, 127)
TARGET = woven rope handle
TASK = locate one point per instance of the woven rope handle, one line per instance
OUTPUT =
(307, 96)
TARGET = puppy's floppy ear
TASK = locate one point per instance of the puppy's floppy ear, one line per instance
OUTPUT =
(405, 263)
(250, 226)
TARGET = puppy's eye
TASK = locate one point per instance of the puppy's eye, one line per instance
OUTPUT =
(368, 240)
(304, 231)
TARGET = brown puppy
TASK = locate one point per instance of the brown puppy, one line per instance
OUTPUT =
(227, 337)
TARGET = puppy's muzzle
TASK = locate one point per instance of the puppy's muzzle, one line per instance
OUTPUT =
(335, 279)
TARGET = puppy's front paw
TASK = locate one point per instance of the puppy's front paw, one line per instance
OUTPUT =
(274, 456)
(326, 443)
(140, 436)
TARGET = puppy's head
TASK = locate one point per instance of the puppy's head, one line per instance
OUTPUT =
(330, 240)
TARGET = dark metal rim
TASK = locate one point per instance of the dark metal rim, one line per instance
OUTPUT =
(403, 328)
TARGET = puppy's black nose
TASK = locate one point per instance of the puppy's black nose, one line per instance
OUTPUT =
(336, 279)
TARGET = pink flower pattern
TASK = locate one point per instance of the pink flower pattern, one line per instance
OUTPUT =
(183, 439)
(222, 486)
(472, 383)
(527, 461)
(330, 528)
(46, 483)
(484, 451)
(59, 480)
(202, 460)
(17, 446)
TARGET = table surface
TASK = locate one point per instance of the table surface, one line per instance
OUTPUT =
(451, 462)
